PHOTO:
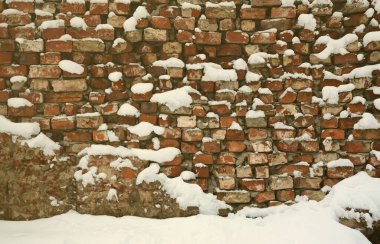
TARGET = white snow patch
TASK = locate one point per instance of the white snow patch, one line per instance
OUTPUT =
(145, 129)
(71, 67)
(44, 143)
(26, 130)
(18, 102)
(368, 121)
(176, 98)
(186, 194)
(128, 110)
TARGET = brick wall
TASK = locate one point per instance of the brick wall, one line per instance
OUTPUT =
(287, 126)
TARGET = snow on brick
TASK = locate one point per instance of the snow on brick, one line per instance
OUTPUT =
(169, 63)
(79, 23)
(334, 46)
(142, 88)
(368, 121)
(71, 67)
(186, 195)
(307, 21)
(176, 98)
(214, 72)
(26, 130)
(159, 156)
(44, 143)
(145, 129)
(128, 110)
(251, 114)
(47, 24)
(18, 102)
(115, 76)
(340, 163)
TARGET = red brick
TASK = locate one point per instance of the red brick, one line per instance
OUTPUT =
(335, 134)
(253, 184)
(203, 159)
(159, 22)
(265, 197)
(208, 38)
(252, 13)
(263, 38)
(235, 146)
(8, 71)
(211, 147)
(237, 37)
(77, 136)
(6, 57)
(62, 124)
(75, 8)
(283, 12)
(27, 7)
(44, 71)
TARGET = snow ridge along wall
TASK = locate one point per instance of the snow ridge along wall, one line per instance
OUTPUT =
(262, 100)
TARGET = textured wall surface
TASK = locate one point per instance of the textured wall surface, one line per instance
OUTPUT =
(264, 99)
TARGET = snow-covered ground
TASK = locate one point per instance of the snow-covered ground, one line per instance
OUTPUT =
(305, 222)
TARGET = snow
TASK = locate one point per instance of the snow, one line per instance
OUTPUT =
(358, 99)
(214, 72)
(44, 143)
(26, 130)
(235, 126)
(145, 129)
(340, 163)
(252, 77)
(141, 13)
(12, 11)
(120, 163)
(376, 103)
(117, 41)
(128, 110)
(287, 3)
(251, 114)
(220, 5)
(71, 67)
(330, 94)
(170, 63)
(376, 154)
(40, 12)
(260, 57)
(187, 5)
(18, 102)
(307, 21)
(160, 156)
(368, 121)
(359, 192)
(334, 46)
(188, 175)
(112, 193)
(115, 76)
(297, 223)
(130, 24)
(321, 2)
(282, 126)
(142, 88)
(239, 64)
(52, 24)
(176, 98)
(186, 194)
(76, 1)
(373, 36)
(18, 78)
(104, 27)
(78, 22)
